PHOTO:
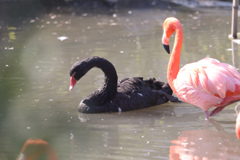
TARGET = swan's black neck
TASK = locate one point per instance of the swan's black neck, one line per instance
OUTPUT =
(109, 89)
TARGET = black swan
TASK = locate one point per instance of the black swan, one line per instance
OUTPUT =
(128, 94)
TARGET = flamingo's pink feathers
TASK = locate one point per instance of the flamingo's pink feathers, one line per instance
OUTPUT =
(206, 83)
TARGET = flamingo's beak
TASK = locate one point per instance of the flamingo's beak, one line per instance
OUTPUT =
(165, 42)
(73, 81)
(166, 47)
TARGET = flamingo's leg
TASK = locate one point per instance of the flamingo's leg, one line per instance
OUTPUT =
(236, 108)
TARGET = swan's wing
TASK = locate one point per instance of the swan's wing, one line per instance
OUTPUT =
(129, 85)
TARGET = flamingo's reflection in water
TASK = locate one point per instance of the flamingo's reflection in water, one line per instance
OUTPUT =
(205, 144)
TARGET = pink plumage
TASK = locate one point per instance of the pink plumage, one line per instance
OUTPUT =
(206, 83)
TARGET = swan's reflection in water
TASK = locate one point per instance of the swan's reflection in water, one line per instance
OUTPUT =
(205, 144)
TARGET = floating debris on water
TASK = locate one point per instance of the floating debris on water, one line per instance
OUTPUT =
(236, 41)
(84, 14)
(32, 21)
(62, 38)
(9, 48)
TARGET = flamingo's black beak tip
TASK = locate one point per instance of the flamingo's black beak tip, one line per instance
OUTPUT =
(166, 47)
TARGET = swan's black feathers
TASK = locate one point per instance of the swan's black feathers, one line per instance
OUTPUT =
(125, 95)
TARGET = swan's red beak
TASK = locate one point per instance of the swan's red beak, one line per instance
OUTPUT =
(73, 81)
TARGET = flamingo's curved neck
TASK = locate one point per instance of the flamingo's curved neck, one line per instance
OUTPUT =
(174, 62)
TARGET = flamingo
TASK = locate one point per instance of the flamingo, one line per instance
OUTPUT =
(33, 148)
(206, 83)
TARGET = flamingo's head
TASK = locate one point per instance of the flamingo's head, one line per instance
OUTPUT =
(169, 26)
